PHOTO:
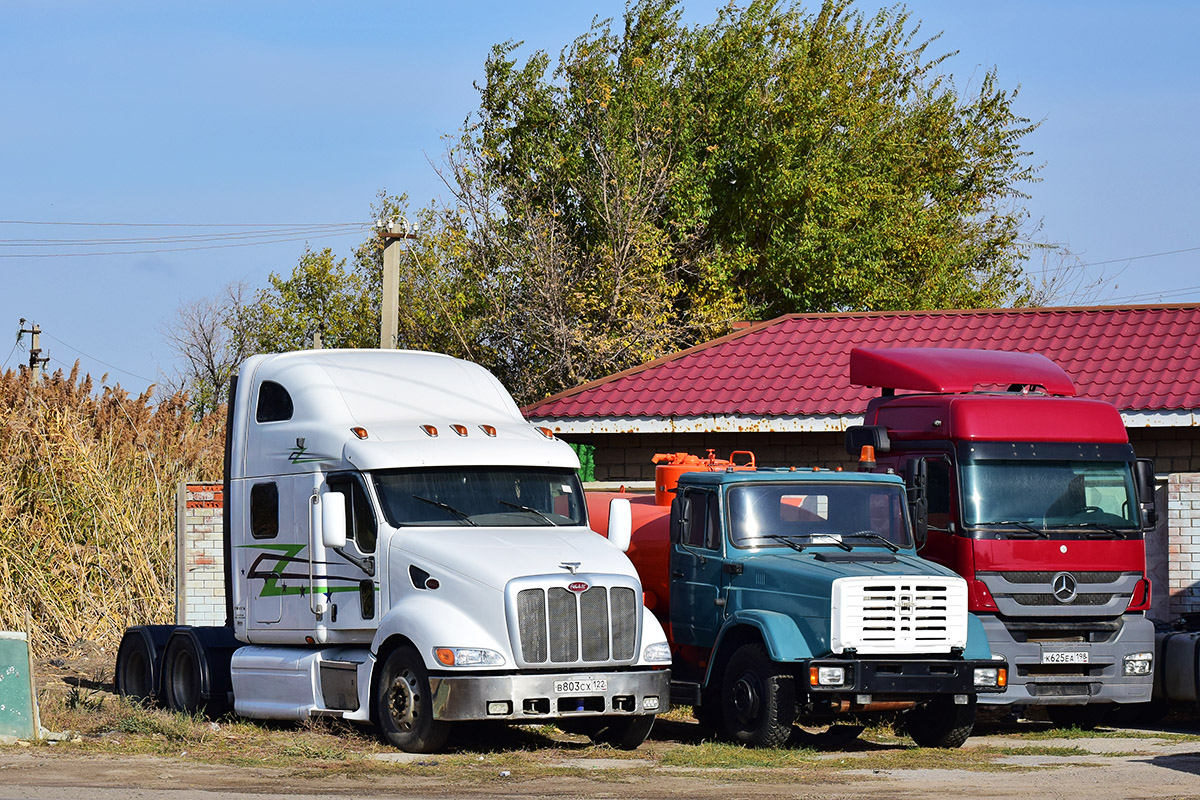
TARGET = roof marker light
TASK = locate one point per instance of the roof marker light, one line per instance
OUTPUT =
(549, 434)
(359, 432)
(461, 430)
(490, 430)
(430, 430)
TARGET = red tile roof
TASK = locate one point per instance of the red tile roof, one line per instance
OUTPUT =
(1144, 358)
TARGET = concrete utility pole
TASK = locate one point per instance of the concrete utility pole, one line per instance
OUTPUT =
(393, 232)
(36, 359)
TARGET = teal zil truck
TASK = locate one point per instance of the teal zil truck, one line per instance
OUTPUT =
(795, 603)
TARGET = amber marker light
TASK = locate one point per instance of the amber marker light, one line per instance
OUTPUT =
(461, 430)
(445, 655)
(430, 431)
(1002, 678)
(359, 432)
(549, 434)
(490, 430)
(814, 675)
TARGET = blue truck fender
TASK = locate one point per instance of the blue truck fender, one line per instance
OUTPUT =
(783, 639)
(977, 643)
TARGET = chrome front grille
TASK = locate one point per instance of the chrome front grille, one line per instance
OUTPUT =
(558, 626)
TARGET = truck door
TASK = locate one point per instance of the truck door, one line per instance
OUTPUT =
(352, 574)
(941, 491)
(697, 569)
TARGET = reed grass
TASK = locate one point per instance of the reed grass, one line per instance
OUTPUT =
(87, 512)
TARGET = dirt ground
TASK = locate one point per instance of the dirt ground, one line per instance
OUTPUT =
(1007, 759)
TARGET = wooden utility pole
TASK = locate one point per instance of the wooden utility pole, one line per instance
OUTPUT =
(395, 231)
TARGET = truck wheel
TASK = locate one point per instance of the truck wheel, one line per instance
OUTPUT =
(404, 704)
(758, 699)
(181, 681)
(941, 722)
(1084, 717)
(625, 733)
(135, 670)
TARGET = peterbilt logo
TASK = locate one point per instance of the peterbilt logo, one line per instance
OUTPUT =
(1064, 587)
(578, 586)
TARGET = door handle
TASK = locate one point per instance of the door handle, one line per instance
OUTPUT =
(676, 573)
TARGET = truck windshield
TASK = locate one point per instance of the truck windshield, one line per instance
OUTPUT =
(856, 514)
(1050, 494)
(489, 496)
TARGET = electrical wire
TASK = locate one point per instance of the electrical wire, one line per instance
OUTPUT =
(173, 249)
(98, 360)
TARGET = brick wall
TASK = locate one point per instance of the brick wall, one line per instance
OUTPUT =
(1183, 543)
(1173, 449)
(199, 555)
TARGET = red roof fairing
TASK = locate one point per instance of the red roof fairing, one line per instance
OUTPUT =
(1143, 358)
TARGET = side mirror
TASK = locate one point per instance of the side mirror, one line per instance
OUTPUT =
(859, 436)
(620, 523)
(916, 481)
(333, 520)
(1143, 473)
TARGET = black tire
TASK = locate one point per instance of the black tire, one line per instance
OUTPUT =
(758, 701)
(135, 676)
(1084, 717)
(941, 722)
(403, 704)
(181, 680)
(824, 737)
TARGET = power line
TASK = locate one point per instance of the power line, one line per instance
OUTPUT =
(195, 237)
(98, 360)
(171, 249)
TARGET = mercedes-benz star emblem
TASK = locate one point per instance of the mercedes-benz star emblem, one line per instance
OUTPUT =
(1064, 587)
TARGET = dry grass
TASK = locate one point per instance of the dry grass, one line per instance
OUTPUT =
(87, 505)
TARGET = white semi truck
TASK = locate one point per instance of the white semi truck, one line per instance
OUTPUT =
(403, 548)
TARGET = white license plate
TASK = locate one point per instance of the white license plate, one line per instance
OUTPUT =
(1066, 657)
(581, 686)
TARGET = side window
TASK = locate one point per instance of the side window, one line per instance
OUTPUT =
(712, 528)
(701, 520)
(274, 403)
(264, 511)
(360, 519)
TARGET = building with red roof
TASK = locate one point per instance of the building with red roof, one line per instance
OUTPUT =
(782, 388)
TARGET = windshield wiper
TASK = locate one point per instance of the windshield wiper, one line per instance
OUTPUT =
(447, 507)
(1023, 525)
(797, 546)
(520, 507)
(1097, 527)
(873, 535)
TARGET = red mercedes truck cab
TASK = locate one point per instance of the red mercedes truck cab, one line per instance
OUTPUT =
(1035, 497)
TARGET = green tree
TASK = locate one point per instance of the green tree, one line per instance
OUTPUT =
(319, 297)
(662, 181)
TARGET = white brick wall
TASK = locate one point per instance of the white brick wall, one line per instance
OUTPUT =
(200, 555)
(1183, 542)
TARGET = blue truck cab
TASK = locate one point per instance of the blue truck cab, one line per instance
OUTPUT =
(795, 603)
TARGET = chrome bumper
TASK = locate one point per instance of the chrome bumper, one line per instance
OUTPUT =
(519, 697)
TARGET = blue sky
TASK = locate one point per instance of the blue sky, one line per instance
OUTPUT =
(288, 113)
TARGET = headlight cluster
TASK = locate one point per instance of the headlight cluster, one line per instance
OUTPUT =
(991, 677)
(826, 676)
(657, 653)
(1138, 664)
(468, 657)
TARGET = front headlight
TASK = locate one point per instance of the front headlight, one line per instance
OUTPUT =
(991, 677)
(657, 653)
(1138, 664)
(468, 657)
